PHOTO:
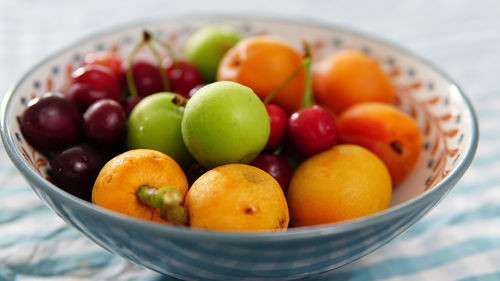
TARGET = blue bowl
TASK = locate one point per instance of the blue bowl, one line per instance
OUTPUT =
(441, 109)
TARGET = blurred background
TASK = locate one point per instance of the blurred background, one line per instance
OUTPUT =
(460, 37)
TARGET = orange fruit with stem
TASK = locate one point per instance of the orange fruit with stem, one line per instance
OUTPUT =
(342, 183)
(263, 63)
(387, 131)
(237, 197)
(142, 183)
(349, 77)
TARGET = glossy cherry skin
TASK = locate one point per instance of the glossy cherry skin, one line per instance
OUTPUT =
(183, 76)
(75, 170)
(279, 120)
(91, 83)
(104, 123)
(147, 78)
(194, 90)
(104, 58)
(130, 103)
(51, 122)
(312, 130)
(276, 166)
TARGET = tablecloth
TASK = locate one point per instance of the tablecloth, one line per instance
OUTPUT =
(457, 240)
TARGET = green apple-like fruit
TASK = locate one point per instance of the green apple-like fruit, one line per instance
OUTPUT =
(225, 122)
(206, 47)
(155, 123)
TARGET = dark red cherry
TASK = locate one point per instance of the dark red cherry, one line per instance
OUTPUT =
(104, 123)
(279, 120)
(75, 170)
(312, 130)
(147, 78)
(276, 166)
(51, 122)
(183, 76)
(91, 83)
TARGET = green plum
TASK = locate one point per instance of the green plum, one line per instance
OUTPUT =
(225, 122)
(206, 47)
(155, 123)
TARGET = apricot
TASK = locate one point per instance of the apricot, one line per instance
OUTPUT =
(121, 178)
(263, 63)
(342, 183)
(348, 77)
(387, 131)
(237, 197)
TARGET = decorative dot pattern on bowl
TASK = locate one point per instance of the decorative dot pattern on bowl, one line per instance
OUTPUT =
(442, 111)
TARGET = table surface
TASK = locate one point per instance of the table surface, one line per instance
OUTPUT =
(457, 240)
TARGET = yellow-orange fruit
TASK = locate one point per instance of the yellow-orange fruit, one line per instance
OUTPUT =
(263, 63)
(349, 77)
(118, 181)
(342, 183)
(237, 197)
(385, 130)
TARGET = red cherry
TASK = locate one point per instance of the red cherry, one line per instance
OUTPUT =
(147, 78)
(276, 166)
(183, 76)
(130, 103)
(104, 122)
(193, 91)
(91, 83)
(278, 119)
(109, 59)
(312, 130)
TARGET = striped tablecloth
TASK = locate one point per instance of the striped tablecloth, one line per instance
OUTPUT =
(457, 240)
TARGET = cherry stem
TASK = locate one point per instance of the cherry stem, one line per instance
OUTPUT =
(129, 73)
(167, 199)
(168, 49)
(273, 93)
(166, 83)
(146, 39)
(307, 99)
(306, 63)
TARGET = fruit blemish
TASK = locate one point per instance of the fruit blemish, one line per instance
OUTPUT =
(227, 133)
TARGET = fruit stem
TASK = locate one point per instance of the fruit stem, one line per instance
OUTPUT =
(166, 83)
(167, 199)
(168, 49)
(147, 38)
(179, 100)
(273, 93)
(307, 99)
(129, 73)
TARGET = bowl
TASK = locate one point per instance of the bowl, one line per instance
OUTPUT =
(441, 109)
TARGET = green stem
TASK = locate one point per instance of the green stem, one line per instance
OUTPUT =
(271, 95)
(168, 49)
(129, 73)
(166, 83)
(167, 199)
(307, 98)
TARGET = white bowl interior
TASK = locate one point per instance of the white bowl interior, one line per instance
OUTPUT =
(439, 107)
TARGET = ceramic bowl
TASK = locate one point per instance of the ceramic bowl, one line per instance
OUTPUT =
(443, 112)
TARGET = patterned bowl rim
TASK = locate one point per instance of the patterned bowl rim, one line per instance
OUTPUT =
(184, 233)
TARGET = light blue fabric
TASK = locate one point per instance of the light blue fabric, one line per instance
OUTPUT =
(457, 240)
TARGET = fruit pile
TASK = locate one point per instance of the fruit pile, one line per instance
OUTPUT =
(233, 134)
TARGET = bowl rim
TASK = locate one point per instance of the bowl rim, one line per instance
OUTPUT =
(182, 233)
